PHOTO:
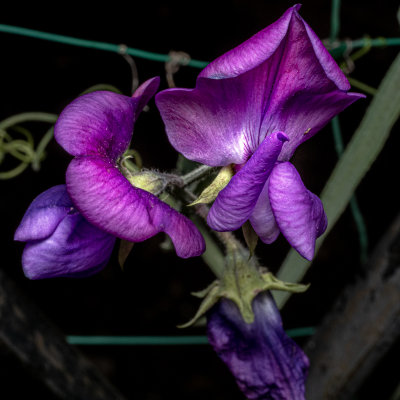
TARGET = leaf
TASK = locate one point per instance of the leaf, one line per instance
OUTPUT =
(210, 193)
(250, 236)
(125, 248)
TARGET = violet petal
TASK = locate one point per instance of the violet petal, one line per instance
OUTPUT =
(309, 88)
(101, 123)
(75, 249)
(107, 200)
(262, 218)
(265, 362)
(235, 203)
(44, 214)
(252, 52)
(298, 212)
(281, 79)
(218, 122)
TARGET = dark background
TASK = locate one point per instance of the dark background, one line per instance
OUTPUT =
(152, 295)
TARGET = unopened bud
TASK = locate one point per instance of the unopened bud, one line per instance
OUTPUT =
(148, 180)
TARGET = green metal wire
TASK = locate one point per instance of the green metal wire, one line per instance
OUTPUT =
(93, 44)
(340, 48)
(160, 340)
(335, 20)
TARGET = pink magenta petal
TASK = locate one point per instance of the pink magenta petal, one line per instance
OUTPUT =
(262, 218)
(234, 204)
(107, 200)
(76, 248)
(218, 122)
(44, 214)
(252, 52)
(298, 212)
(101, 123)
(309, 88)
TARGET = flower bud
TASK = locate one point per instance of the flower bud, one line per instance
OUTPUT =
(149, 181)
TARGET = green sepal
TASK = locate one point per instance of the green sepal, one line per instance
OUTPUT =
(210, 193)
(273, 283)
(243, 280)
(125, 247)
(250, 236)
(209, 301)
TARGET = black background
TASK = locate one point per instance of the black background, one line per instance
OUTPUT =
(152, 295)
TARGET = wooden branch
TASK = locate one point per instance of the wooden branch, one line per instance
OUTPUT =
(361, 328)
(42, 350)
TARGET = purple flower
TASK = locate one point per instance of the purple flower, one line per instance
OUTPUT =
(265, 362)
(251, 108)
(97, 128)
(60, 242)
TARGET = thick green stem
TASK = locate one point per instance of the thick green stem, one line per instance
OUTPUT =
(195, 174)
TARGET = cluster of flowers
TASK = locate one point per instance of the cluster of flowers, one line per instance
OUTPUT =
(251, 108)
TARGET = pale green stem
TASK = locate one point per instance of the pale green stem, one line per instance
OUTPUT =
(197, 173)
(362, 86)
(41, 148)
(29, 116)
(14, 172)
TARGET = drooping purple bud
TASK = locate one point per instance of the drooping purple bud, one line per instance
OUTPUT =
(266, 363)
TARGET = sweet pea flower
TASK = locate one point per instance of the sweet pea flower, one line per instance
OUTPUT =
(265, 362)
(97, 128)
(251, 108)
(60, 242)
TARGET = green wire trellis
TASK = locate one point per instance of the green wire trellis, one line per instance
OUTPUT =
(161, 340)
(338, 47)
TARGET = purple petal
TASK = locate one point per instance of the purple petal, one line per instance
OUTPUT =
(107, 200)
(144, 93)
(262, 218)
(218, 122)
(75, 249)
(298, 212)
(281, 79)
(252, 52)
(235, 203)
(44, 214)
(101, 123)
(309, 88)
(265, 362)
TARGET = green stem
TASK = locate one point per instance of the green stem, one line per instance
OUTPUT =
(41, 148)
(13, 172)
(29, 116)
(195, 174)
(355, 209)
(362, 86)
(213, 256)
(19, 149)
